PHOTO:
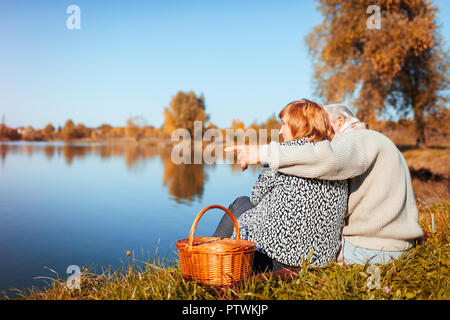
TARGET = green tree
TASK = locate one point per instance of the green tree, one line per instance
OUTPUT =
(401, 67)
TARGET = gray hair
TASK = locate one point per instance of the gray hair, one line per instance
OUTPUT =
(336, 110)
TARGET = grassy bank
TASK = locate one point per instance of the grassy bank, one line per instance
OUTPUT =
(422, 273)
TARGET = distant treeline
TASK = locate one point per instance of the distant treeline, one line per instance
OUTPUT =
(184, 109)
(70, 131)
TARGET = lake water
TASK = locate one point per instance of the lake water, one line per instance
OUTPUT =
(87, 204)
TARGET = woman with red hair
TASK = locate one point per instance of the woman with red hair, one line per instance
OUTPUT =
(291, 218)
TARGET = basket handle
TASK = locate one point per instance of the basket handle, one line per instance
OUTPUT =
(200, 214)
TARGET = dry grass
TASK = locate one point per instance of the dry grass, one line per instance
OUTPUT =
(422, 273)
(436, 160)
(430, 166)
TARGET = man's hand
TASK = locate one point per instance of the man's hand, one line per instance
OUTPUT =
(246, 154)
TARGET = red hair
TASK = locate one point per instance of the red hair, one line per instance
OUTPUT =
(307, 119)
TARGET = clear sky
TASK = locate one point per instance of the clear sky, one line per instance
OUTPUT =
(248, 58)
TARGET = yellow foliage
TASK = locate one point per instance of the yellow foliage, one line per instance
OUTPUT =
(402, 66)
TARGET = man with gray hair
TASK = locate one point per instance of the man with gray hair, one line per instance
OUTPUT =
(382, 220)
(342, 118)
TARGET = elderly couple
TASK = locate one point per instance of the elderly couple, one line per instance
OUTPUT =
(333, 190)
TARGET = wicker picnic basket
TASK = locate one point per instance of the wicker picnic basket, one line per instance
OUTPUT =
(215, 261)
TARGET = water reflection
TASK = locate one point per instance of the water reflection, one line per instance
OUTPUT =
(131, 153)
(49, 151)
(184, 182)
(84, 204)
(87, 204)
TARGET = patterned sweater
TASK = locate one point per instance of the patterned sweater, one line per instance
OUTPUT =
(295, 217)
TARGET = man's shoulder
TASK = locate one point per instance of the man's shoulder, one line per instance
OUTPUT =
(365, 135)
(374, 144)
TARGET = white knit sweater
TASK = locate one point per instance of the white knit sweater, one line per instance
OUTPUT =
(382, 212)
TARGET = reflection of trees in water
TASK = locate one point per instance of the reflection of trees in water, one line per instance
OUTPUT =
(28, 150)
(184, 181)
(135, 153)
(108, 151)
(4, 149)
(49, 151)
(70, 152)
(131, 153)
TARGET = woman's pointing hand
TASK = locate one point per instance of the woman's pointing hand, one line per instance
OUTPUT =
(246, 154)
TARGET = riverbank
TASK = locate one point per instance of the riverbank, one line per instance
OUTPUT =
(423, 273)
(121, 140)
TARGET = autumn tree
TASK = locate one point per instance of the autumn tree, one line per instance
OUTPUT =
(134, 127)
(30, 134)
(237, 124)
(132, 130)
(184, 109)
(68, 131)
(211, 126)
(272, 123)
(48, 132)
(105, 130)
(150, 131)
(118, 131)
(401, 66)
(9, 133)
(3, 130)
(81, 131)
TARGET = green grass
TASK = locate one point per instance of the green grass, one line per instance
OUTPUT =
(422, 273)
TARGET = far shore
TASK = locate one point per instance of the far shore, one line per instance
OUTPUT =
(118, 140)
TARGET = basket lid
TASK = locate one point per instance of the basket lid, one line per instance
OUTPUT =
(217, 245)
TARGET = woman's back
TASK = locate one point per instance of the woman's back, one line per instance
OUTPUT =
(295, 217)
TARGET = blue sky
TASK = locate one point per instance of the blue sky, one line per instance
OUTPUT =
(129, 58)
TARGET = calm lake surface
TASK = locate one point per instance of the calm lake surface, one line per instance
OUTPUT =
(87, 204)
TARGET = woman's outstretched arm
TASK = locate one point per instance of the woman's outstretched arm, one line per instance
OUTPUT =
(345, 157)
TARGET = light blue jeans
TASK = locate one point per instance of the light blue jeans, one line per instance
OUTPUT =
(358, 255)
